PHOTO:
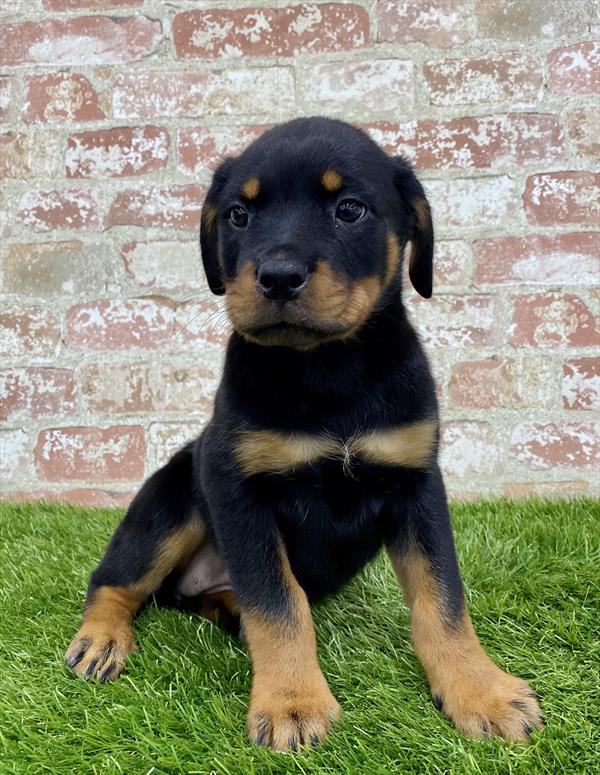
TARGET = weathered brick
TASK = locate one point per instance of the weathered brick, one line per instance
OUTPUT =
(8, 111)
(503, 382)
(36, 392)
(149, 387)
(174, 206)
(116, 153)
(167, 438)
(538, 259)
(79, 496)
(469, 449)
(88, 40)
(437, 22)
(59, 97)
(164, 264)
(91, 454)
(58, 268)
(551, 319)
(520, 21)
(552, 198)
(454, 321)
(512, 76)
(568, 489)
(60, 209)
(581, 383)
(452, 262)
(471, 203)
(256, 91)
(380, 84)
(29, 331)
(201, 149)
(16, 455)
(268, 32)
(33, 155)
(575, 69)
(557, 445)
(96, 5)
(584, 131)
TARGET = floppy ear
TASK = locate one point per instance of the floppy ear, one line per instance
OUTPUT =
(420, 267)
(209, 230)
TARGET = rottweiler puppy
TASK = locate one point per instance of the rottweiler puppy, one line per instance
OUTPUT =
(322, 448)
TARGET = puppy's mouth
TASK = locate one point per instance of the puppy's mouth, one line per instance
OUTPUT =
(298, 335)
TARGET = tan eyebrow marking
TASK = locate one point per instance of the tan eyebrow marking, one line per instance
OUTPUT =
(331, 180)
(251, 188)
(267, 451)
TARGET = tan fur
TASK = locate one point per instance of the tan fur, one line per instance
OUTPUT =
(266, 451)
(291, 703)
(209, 216)
(475, 694)
(106, 633)
(251, 188)
(393, 257)
(331, 181)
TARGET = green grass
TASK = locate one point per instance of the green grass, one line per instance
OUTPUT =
(532, 574)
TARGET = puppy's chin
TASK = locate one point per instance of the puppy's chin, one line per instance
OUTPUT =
(296, 336)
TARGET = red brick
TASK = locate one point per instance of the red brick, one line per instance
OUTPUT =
(584, 131)
(532, 20)
(378, 84)
(469, 449)
(163, 264)
(96, 5)
(503, 382)
(148, 387)
(7, 99)
(34, 155)
(575, 69)
(80, 496)
(437, 22)
(474, 142)
(88, 40)
(539, 259)
(471, 203)
(551, 319)
(173, 206)
(91, 454)
(116, 153)
(269, 32)
(60, 209)
(16, 455)
(451, 263)
(167, 438)
(60, 97)
(36, 392)
(581, 383)
(569, 489)
(147, 95)
(557, 445)
(552, 198)
(29, 331)
(510, 77)
(455, 321)
(202, 148)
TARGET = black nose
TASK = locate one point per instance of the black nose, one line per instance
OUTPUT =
(281, 279)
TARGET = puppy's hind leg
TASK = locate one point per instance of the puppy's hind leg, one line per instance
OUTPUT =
(161, 531)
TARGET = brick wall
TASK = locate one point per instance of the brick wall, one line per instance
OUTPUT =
(115, 113)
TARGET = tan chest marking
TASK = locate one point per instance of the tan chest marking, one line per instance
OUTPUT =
(259, 452)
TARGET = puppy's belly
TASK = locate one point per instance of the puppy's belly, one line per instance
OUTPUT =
(205, 574)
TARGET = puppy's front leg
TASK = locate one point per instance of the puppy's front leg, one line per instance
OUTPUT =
(480, 698)
(291, 704)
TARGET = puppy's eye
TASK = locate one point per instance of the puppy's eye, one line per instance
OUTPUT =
(238, 217)
(350, 211)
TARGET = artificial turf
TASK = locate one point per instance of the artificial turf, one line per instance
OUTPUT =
(532, 575)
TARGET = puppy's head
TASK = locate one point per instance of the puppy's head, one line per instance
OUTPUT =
(305, 232)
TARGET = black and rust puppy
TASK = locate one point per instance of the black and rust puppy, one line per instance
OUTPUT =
(322, 447)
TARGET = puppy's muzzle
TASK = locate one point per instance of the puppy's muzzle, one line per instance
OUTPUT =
(281, 279)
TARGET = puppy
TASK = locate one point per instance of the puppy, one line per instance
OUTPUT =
(322, 448)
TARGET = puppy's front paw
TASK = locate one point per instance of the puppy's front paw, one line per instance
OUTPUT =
(286, 718)
(492, 703)
(100, 652)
